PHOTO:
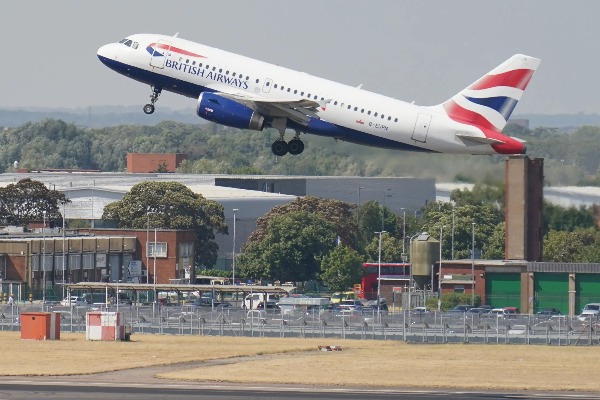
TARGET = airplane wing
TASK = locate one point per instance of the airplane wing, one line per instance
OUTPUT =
(298, 111)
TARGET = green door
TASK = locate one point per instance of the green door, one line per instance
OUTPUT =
(503, 290)
(587, 290)
(551, 291)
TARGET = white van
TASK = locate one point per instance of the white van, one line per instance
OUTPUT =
(590, 311)
(252, 300)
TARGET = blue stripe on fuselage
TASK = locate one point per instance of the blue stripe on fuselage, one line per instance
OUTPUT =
(315, 126)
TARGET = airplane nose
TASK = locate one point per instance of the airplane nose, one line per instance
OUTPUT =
(107, 53)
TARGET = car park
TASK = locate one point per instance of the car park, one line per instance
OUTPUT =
(351, 305)
(548, 312)
(478, 310)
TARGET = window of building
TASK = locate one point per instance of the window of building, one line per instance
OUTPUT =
(88, 261)
(186, 249)
(161, 249)
(74, 262)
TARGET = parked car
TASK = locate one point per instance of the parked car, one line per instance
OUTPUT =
(72, 301)
(479, 310)
(350, 305)
(548, 312)
(506, 312)
(461, 308)
(590, 311)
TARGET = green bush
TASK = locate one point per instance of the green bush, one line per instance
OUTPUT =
(451, 300)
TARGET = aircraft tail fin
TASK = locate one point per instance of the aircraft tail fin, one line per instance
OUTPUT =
(489, 102)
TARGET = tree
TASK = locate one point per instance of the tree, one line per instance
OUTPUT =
(341, 268)
(171, 205)
(290, 248)
(27, 200)
(336, 212)
(391, 249)
(581, 246)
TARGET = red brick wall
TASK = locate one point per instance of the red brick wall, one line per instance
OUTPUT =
(145, 163)
(166, 268)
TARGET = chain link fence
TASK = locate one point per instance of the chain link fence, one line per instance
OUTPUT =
(407, 326)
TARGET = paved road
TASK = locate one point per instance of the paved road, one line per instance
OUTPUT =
(88, 390)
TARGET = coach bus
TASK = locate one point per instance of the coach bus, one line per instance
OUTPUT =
(397, 272)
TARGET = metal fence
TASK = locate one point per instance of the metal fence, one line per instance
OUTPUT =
(407, 326)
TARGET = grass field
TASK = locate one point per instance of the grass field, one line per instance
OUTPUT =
(360, 363)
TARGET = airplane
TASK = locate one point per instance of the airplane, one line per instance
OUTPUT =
(245, 93)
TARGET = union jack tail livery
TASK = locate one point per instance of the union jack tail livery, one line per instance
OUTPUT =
(488, 103)
(245, 93)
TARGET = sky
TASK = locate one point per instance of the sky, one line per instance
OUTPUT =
(423, 51)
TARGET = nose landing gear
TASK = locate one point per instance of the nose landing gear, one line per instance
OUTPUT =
(149, 108)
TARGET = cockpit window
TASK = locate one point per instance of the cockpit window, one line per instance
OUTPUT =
(135, 45)
(128, 42)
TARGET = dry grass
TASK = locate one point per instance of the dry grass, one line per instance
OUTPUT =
(361, 363)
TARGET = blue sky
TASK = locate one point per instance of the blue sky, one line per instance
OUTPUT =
(423, 51)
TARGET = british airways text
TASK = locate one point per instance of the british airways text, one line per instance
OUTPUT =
(193, 70)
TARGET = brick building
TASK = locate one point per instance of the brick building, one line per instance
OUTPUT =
(154, 162)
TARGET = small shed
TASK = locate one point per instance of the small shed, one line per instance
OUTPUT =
(40, 326)
(105, 325)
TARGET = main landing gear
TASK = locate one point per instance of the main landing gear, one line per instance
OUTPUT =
(295, 146)
(149, 108)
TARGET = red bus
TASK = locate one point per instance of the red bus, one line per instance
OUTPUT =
(399, 273)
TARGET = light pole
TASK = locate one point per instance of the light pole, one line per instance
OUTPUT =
(235, 210)
(403, 230)
(383, 209)
(154, 253)
(358, 211)
(379, 274)
(472, 263)
(63, 254)
(410, 285)
(44, 261)
(148, 242)
(440, 269)
(452, 240)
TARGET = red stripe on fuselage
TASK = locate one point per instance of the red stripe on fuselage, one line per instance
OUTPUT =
(518, 78)
(165, 46)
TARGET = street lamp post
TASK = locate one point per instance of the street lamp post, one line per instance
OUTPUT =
(63, 253)
(379, 274)
(440, 269)
(358, 210)
(154, 253)
(383, 209)
(235, 210)
(44, 261)
(452, 240)
(403, 230)
(472, 263)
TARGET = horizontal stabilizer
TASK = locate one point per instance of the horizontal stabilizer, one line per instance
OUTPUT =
(465, 136)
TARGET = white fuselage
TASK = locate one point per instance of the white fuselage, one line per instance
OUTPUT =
(359, 116)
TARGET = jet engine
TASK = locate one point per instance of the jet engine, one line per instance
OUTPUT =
(224, 111)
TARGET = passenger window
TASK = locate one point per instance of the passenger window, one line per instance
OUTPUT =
(233, 74)
(355, 108)
(187, 61)
(316, 97)
(375, 114)
(226, 72)
(193, 62)
(268, 83)
(349, 106)
(296, 91)
(362, 111)
(257, 81)
(275, 86)
(289, 90)
(369, 112)
(395, 119)
(335, 103)
(308, 95)
(389, 118)
(214, 68)
(301, 93)
(382, 116)
(220, 70)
